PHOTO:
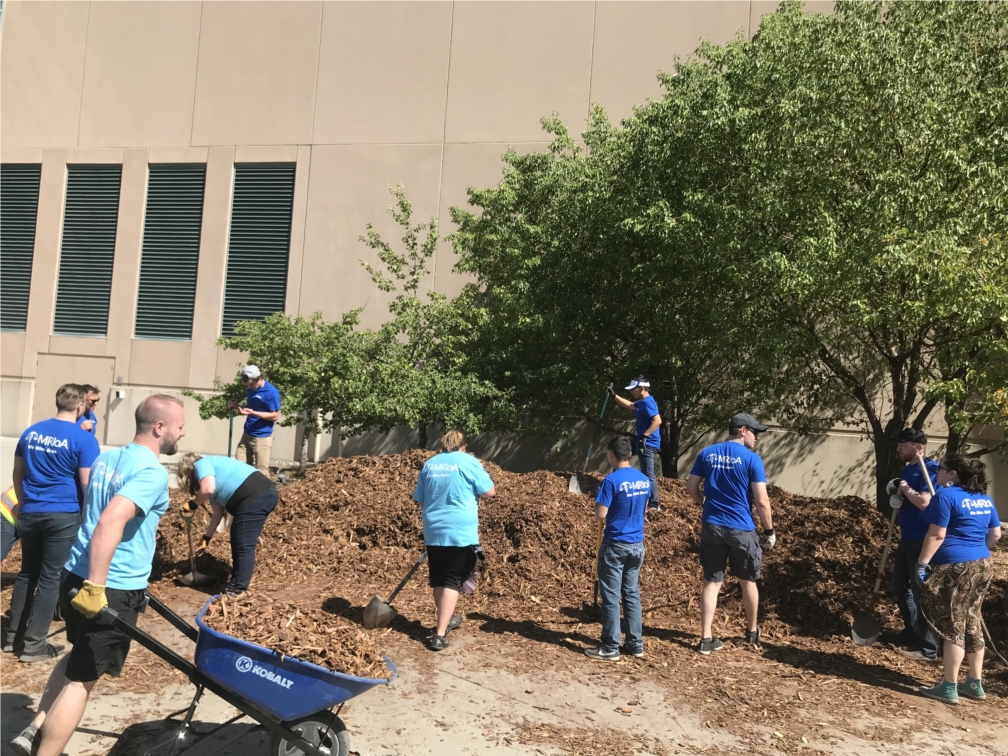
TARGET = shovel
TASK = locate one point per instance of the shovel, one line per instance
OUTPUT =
(594, 609)
(193, 578)
(573, 486)
(380, 613)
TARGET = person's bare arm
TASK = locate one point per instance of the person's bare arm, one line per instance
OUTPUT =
(932, 541)
(84, 473)
(490, 494)
(20, 470)
(601, 511)
(207, 487)
(762, 499)
(917, 498)
(216, 515)
(993, 536)
(107, 536)
(270, 416)
(693, 483)
(621, 401)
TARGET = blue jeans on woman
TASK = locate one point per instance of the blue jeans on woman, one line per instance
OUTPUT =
(619, 566)
(246, 527)
(46, 540)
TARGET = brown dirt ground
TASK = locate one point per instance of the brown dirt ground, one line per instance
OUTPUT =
(349, 530)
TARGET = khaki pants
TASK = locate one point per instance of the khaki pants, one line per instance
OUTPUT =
(255, 451)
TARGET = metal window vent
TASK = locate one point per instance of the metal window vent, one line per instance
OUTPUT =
(19, 193)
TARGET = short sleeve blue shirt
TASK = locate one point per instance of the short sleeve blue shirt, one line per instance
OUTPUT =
(228, 475)
(53, 451)
(644, 410)
(134, 472)
(91, 419)
(729, 469)
(913, 525)
(625, 491)
(448, 488)
(966, 518)
(265, 399)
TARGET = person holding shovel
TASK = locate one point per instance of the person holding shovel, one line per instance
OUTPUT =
(239, 490)
(647, 420)
(109, 566)
(910, 495)
(620, 504)
(448, 491)
(955, 569)
(733, 480)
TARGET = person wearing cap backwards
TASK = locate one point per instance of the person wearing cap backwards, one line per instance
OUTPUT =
(648, 439)
(910, 495)
(262, 410)
(733, 480)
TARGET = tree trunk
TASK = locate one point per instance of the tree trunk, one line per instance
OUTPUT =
(956, 442)
(887, 467)
(669, 451)
(303, 465)
(421, 437)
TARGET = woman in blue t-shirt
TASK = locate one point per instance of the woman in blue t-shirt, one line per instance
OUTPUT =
(239, 490)
(963, 526)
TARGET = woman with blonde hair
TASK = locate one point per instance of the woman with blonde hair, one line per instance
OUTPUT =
(955, 570)
(234, 488)
(448, 491)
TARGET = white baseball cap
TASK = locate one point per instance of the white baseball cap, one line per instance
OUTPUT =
(250, 371)
(639, 381)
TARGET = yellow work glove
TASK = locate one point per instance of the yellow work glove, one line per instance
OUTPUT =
(187, 507)
(90, 599)
(201, 547)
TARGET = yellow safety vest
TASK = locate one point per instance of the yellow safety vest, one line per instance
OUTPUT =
(8, 500)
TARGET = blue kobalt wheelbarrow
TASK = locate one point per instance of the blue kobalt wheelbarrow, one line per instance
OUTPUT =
(291, 699)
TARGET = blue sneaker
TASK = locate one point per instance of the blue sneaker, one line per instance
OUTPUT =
(971, 689)
(946, 692)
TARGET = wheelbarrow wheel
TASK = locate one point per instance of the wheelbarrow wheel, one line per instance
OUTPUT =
(321, 729)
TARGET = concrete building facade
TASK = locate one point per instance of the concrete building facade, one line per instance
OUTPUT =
(356, 97)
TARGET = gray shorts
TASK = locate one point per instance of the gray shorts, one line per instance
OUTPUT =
(721, 547)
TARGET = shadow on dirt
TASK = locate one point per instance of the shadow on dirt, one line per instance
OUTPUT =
(841, 665)
(158, 737)
(339, 606)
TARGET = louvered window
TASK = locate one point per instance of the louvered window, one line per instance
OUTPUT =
(19, 192)
(260, 242)
(89, 234)
(170, 251)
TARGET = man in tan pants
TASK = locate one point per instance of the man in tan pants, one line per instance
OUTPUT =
(262, 410)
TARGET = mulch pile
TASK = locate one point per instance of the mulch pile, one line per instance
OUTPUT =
(299, 630)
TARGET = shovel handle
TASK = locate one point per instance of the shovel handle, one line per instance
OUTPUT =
(409, 574)
(885, 553)
(924, 472)
(598, 423)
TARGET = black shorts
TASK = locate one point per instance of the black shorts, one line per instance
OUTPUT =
(450, 565)
(98, 648)
(721, 546)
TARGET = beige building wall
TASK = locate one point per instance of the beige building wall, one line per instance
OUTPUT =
(362, 96)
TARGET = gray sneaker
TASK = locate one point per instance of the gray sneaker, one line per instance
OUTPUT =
(22, 745)
(708, 645)
(454, 623)
(599, 655)
(49, 652)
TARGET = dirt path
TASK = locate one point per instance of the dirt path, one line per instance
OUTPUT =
(500, 691)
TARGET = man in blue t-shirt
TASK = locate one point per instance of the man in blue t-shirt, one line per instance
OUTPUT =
(620, 504)
(51, 466)
(262, 410)
(89, 420)
(647, 439)
(733, 481)
(910, 495)
(109, 566)
(448, 490)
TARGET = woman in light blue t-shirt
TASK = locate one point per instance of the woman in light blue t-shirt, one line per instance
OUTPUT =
(955, 561)
(234, 488)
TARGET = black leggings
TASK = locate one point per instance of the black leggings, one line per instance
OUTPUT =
(246, 526)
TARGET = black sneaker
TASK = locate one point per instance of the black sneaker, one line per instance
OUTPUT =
(23, 744)
(599, 655)
(438, 642)
(50, 652)
(637, 653)
(707, 645)
(454, 623)
(752, 638)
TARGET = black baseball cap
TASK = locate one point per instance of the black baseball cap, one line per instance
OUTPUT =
(745, 420)
(913, 435)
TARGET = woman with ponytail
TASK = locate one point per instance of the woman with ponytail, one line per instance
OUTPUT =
(955, 570)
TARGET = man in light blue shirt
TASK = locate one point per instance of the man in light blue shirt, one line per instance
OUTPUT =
(449, 488)
(109, 565)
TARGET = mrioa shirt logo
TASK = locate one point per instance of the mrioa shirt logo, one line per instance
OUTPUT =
(45, 443)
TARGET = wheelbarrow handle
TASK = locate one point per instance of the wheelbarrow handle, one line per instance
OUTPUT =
(409, 574)
(107, 614)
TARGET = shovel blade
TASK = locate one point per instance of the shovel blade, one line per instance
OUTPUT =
(866, 629)
(378, 613)
(194, 579)
(573, 486)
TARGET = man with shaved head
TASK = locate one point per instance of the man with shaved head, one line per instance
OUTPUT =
(109, 565)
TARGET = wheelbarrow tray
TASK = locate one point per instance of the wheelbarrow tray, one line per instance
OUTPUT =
(283, 686)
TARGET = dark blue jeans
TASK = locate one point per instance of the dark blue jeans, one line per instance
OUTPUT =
(619, 566)
(46, 539)
(8, 535)
(908, 597)
(246, 527)
(646, 455)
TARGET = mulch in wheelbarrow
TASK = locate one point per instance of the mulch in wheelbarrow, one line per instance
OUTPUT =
(301, 630)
